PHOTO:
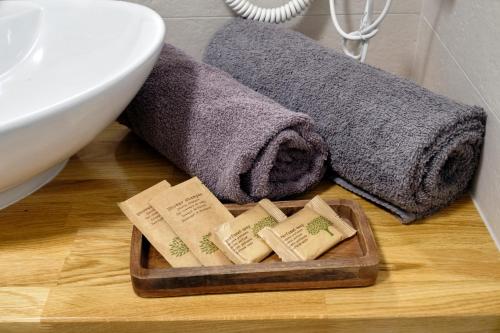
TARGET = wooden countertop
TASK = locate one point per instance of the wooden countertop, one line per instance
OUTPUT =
(64, 256)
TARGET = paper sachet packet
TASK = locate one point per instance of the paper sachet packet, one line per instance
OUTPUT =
(156, 229)
(308, 233)
(192, 211)
(239, 239)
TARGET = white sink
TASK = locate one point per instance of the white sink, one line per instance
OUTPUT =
(67, 70)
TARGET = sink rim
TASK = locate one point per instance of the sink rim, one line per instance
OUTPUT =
(31, 5)
(21, 8)
(68, 102)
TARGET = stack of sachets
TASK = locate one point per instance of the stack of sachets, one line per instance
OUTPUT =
(189, 227)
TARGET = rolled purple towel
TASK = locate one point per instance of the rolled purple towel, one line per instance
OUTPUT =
(241, 144)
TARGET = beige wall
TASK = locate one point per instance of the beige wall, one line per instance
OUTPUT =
(190, 23)
(458, 55)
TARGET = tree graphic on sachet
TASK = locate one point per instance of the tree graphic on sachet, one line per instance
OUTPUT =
(207, 246)
(265, 222)
(318, 224)
(177, 247)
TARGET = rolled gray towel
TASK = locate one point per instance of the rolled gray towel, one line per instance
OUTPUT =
(390, 140)
(242, 145)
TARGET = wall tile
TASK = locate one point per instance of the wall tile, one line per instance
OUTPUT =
(211, 8)
(470, 30)
(392, 49)
(435, 69)
(191, 23)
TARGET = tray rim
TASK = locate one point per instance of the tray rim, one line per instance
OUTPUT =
(369, 259)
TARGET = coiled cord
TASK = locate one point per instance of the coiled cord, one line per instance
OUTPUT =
(248, 10)
(366, 31)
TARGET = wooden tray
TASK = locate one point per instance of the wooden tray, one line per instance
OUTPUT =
(352, 263)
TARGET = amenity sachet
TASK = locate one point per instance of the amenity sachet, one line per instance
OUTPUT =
(193, 211)
(239, 238)
(308, 233)
(156, 229)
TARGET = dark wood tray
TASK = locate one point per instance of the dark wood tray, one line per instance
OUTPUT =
(352, 263)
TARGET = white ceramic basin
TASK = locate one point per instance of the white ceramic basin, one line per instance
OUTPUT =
(67, 70)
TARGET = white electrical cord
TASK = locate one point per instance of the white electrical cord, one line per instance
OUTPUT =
(367, 29)
(248, 10)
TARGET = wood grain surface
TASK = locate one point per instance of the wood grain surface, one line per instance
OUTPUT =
(64, 264)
